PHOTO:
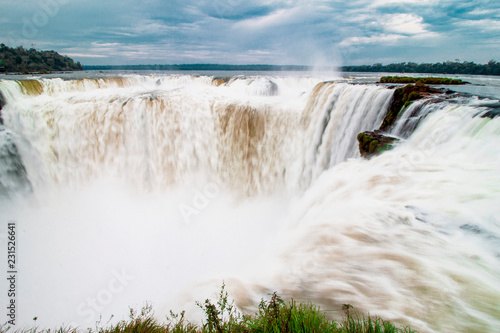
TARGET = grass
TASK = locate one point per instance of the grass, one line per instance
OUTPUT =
(424, 80)
(273, 316)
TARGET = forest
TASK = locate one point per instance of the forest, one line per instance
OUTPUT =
(22, 60)
(25, 61)
(448, 67)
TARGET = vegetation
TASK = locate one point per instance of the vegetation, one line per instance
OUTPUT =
(273, 316)
(402, 98)
(449, 67)
(21, 60)
(200, 67)
(375, 143)
(424, 80)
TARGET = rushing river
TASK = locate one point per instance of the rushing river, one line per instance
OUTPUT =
(134, 188)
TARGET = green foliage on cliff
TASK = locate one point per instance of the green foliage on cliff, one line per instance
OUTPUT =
(449, 67)
(375, 143)
(424, 80)
(402, 98)
(21, 60)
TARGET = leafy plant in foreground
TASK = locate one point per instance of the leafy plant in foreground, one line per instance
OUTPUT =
(222, 316)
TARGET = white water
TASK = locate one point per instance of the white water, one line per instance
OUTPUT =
(177, 183)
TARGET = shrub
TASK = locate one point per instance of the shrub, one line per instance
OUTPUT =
(274, 316)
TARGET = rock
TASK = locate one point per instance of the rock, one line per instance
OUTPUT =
(403, 97)
(493, 111)
(220, 80)
(374, 143)
(273, 88)
(13, 176)
(2, 103)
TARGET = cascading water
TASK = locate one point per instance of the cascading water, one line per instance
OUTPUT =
(13, 178)
(157, 185)
(413, 229)
(164, 136)
(334, 116)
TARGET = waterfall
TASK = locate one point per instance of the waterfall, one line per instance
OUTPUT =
(13, 178)
(176, 183)
(414, 227)
(160, 132)
(333, 117)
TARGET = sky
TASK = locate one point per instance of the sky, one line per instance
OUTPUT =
(281, 32)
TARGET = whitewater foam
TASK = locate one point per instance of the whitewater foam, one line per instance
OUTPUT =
(158, 188)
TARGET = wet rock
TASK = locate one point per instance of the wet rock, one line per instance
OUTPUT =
(13, 177)
(273, 88)
(493, 111)
(2, 103)
(374, 143)
(403, 97)
(221, 80)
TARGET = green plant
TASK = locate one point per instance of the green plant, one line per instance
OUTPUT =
(413, 95)
(273, 316)
(277, 316)
(177, 324)
(421, 80)
(222, 316)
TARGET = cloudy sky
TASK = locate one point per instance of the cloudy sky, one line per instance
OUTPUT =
(299, 32)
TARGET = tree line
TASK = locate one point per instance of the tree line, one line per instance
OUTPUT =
(199, 67)
(448, 67)
(21, 60)
(491, 68)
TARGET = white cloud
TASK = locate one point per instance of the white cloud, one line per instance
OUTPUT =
(386, 3)
(388, 29)
(262, 31)
(276, 18)
(358, 18)
(490, 12)
(85, 55)
(377, 39)
(486, 25)
(106, 45)
(150, 27)
(409, 24)
(94, 50)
